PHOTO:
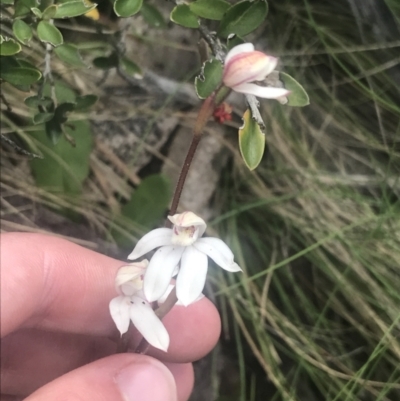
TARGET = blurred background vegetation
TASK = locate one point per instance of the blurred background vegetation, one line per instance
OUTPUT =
(316, 315)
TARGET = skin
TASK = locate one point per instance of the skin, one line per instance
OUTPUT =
(58, 339)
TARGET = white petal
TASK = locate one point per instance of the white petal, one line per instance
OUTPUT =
(130, 272)
(243, 48)
(261, 91)
(188, 219)
(169, 289)
(152, 240)
(148, 324)
(159, 272)
(219, 252)
(269, 67)
(119, 310)
(192, 275)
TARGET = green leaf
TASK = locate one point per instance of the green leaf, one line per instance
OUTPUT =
(22, 31)
(49, 12)
(69, 54)
(251, 141)
(298, 97)
(20, 76)
(42, 118)
(131, 68)
(48, 33)
(182, 15)
(243, 18)
(86, 101)
(35, 102)
(54, 127)
(64, 94)
(37, 12)
(23, 7)
(9, 47)
(127, 8)
(234, 40)
(7, 2)
(152, 16)
(149, 202)
(64, 167)
(105, 63)
(73, 9)
(209, 9)
(209, 79)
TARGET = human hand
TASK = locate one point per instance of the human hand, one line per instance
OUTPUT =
(59, 341)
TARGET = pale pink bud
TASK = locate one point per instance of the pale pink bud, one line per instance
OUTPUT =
(244, 65)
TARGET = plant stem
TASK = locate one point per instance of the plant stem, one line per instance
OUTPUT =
(205, 113)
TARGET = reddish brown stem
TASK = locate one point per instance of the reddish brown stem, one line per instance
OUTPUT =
(205, 113)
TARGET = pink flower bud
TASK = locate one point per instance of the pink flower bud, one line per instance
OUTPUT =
(244, 65)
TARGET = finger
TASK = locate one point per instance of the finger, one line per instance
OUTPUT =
(184, 374)
(123, 377)
(30, 358)
(51, 283)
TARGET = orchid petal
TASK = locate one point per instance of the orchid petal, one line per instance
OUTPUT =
(192, 275)
(119, 310)
(261, 91)
(243, 48)
(248, 67)
(219, 252)
(188, 219)
(159, 272)
(148, 324)
(153, 239)
(268, 68)
(169, 289)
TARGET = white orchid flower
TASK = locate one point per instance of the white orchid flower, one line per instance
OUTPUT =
(181, 247)
(244, 65)
(132, 305)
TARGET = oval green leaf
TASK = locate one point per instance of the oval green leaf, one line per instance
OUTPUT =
(64, 167)
(127, 8)
(84, 102)
(298, 97)
(9, 47)
(243, 18)
(149, 202)
(209, 9)
(49, 12)
(48, 33)
(73, 9)
(37, 12)
(234, 40)
(152, 16)
(251, 141)
(36, 101)
(42, 118)
(182, 15)
(131, 68)
(209, 79)
(70, 55)
(20, 76)
(105, 63)
(22, 31)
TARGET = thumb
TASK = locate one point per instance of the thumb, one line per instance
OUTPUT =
(122, 377)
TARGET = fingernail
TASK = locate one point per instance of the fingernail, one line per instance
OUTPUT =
(149, 381)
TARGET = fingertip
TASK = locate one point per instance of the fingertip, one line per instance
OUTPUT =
(122, 377)
(185, 373)
(194, 331)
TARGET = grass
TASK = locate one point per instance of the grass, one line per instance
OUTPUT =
(316, 228)
(317, 225)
